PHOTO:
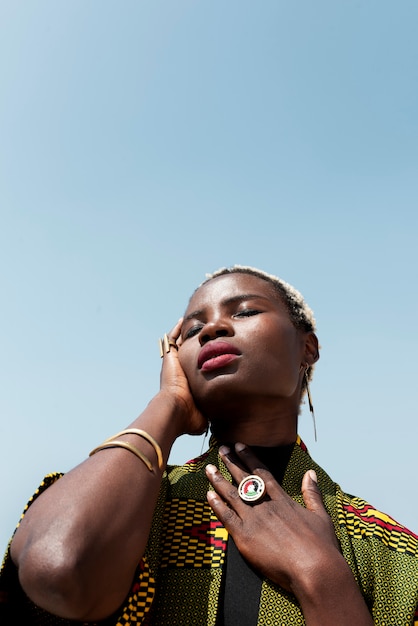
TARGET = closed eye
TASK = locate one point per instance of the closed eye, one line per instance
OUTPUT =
(192, 331)
(247, 313)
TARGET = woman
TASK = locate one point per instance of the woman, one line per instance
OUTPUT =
(123, 539)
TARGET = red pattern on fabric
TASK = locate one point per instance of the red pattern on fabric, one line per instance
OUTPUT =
(201, 532)
(363, 514)
(302, 446)
(202, 457)
(137, 584)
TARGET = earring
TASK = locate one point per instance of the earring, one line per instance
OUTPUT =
(204, 439)
(308, 393)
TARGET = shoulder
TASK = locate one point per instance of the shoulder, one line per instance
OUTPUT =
(363, 521)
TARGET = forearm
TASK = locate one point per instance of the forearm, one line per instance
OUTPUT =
(330, 595)
(81, 540)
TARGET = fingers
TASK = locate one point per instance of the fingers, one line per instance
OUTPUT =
(236, 468)
(169, 343)
(223, 487)
(311, 494)
(169, 347)
(314, 503)
(225, 500)
(170, 339)
(242, 461)
(248, 458)
(176, 330)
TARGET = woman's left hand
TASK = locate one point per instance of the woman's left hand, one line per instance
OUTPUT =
(293, 546)
(276, 535)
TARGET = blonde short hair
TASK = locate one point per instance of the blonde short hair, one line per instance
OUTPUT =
(300, 313)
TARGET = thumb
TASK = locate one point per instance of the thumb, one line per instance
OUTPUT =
(311, 494)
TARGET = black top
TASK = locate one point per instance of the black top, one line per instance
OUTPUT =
(241, 585)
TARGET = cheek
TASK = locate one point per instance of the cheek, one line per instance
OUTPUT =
(283, 353)
(185, 358)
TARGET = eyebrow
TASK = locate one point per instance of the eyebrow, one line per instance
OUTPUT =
(239, 298)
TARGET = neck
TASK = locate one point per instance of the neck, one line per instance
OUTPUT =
(254, 420)
(266, 431)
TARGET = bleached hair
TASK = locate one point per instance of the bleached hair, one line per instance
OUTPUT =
(300, 313)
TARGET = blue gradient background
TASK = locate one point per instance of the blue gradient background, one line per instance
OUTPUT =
(143, 144)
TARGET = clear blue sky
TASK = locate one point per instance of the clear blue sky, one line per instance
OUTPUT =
(143, 144)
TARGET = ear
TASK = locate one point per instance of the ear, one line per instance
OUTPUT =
(311, 353)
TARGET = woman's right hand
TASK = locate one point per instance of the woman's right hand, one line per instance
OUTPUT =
(174, 384)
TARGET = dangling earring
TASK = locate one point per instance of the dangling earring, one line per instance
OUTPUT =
(204, 439)
(308, 393)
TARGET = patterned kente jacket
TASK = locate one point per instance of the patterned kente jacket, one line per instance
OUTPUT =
(178, 581)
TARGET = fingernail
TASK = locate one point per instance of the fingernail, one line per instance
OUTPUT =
(211, 469)
(239, 447)
(313, 476)
(224, 450)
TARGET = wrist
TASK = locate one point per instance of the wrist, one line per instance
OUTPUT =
(329, 594)
(172, 414)
(312, 581)
(175, 409)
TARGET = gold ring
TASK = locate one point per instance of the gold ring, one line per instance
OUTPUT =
(251, 488)
(166, 344)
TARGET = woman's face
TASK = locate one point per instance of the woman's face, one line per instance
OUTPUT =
(238, 343)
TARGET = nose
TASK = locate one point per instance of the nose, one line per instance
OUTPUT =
(214, 329)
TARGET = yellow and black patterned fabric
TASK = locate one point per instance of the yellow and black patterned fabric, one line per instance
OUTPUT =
(179, 580)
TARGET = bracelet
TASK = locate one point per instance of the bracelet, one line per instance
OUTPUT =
(127, 446)
(145, 435)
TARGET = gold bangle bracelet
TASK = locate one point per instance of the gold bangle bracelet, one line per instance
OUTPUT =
(145, 435)
(127, 446)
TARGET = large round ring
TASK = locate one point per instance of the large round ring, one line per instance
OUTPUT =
(166, 344)
(251, 488)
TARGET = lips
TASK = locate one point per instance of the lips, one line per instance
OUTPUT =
(214, 349)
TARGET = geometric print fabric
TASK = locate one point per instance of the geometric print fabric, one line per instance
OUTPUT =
(179, 582)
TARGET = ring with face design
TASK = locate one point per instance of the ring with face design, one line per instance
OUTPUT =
(251, 488)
